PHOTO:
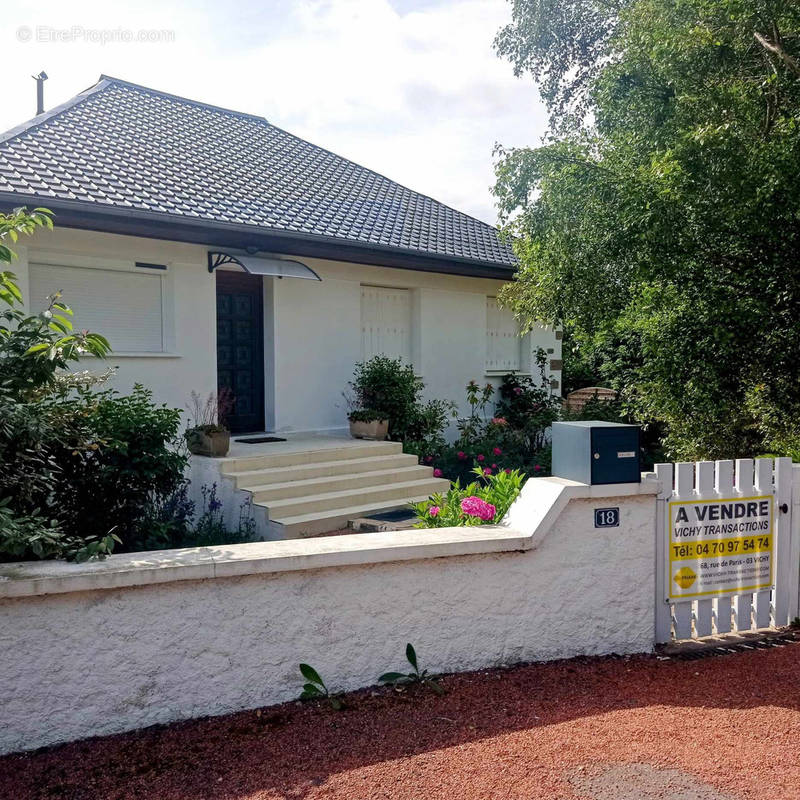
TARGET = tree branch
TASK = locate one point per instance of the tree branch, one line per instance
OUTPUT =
(777, 49)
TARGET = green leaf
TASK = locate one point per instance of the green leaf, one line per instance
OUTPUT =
(37, 348)
(411, 655)
(310, 674)
(392, 677)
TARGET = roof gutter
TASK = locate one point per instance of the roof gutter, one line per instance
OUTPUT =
(197, 230)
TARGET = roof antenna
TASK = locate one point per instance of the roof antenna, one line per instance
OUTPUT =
(40, 79)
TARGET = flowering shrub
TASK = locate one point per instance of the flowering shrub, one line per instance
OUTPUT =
(479, 503)
(473, 506)
(511, 436)
(177, 523)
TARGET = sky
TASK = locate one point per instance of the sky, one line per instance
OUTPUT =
(409, 88)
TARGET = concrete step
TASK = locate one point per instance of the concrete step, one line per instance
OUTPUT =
(310, 456)
(400, 493)
(247, 479)
(303, 525)
(335, 483)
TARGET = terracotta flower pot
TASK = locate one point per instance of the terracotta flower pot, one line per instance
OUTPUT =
(378, 429)
(215, 444)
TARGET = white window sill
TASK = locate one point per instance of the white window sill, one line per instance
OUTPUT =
(113, 354)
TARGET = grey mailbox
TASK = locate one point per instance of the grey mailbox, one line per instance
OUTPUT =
(596, 452)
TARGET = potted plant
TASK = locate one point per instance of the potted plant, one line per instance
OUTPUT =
(368, 424)
(208, 435)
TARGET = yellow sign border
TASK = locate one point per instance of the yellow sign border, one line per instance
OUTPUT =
(739, 589)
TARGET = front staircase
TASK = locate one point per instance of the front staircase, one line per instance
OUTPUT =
(315, 491)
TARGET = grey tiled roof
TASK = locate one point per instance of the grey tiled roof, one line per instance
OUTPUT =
(123, 145)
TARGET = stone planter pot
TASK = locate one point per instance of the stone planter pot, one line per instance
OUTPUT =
(378, 429)
(215, 444)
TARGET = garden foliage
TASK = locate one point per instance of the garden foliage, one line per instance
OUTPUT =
(386, 388)
(84, 469)
(416, 676)
(658, 223)
(505, 429)
(482, 502)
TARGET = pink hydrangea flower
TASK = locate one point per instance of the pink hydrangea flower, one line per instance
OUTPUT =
(494, 466)
(499, 421)
(517, 390)
(437, 473)
(433, 511)
(497, 451)
(487, 471)
(481, 457)
(475, 507)
(507, 470)
(537, 468)
(462, 455)
(428, 459)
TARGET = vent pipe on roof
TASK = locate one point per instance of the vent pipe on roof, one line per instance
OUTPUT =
(40, 79)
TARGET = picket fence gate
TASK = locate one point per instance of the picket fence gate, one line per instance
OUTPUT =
(728, 612)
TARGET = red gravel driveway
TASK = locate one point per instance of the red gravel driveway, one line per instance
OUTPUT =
(719, 728)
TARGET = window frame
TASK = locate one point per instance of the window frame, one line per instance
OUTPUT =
(412, 319)
(167, 286)
(524, 344)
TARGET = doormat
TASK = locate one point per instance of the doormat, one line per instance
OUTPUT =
(260, 439)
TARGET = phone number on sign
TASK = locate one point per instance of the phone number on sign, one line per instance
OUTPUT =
(720, 547)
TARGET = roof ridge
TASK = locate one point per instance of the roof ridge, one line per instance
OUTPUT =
(182, 99)
(46, 116)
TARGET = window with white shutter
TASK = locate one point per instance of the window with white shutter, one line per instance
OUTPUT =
(123, 306)
(503, 339)
(385, 323)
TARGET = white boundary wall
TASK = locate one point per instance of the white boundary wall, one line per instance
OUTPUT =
(148, 638)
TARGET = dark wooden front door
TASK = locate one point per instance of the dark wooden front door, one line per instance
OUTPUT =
(240, 347)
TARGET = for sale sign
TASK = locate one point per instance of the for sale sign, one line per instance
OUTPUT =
(720, 547)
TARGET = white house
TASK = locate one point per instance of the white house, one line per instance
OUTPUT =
(214, 249)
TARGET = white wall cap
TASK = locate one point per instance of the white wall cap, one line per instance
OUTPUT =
(529, 520)
(27, 578)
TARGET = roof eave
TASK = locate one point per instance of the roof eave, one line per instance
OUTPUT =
(197, 230)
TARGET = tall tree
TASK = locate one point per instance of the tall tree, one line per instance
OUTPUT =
(659, 221)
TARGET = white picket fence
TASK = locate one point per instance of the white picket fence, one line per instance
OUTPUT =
(728, 612)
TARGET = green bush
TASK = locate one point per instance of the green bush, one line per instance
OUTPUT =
(21, 534)
(387, 388)
(481, 502)
(365, 415)
(90, 463)
(528, 408)
(513, 436)
(81, 468)
(134, 458)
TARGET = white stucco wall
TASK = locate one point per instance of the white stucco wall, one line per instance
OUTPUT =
(312, 330)
(448, 338)
(155, 637)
